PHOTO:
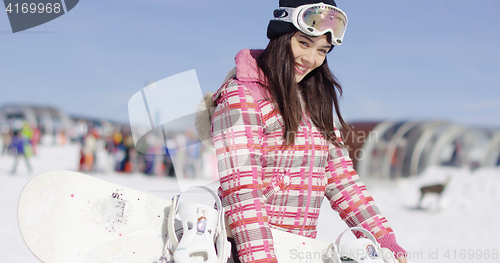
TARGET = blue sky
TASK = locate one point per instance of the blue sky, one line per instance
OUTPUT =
(400, 60)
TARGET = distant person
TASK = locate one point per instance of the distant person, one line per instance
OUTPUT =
(6, 138)
(168, 164)
(118, 150)
(128, 161)
(88, 152)
(27, 133)
(18, 146)
(37, 136)
(149, 160)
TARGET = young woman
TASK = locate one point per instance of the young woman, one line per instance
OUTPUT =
(279, 153)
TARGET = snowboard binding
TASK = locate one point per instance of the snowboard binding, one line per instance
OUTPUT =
(202, 237)
(361, 250)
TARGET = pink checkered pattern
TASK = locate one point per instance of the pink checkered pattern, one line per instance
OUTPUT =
(264, 185)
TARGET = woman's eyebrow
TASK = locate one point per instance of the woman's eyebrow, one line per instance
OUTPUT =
(310, 39)
(307, 37)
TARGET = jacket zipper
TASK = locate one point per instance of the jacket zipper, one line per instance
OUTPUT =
(311, 166)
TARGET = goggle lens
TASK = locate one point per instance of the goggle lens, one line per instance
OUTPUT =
(322, 18)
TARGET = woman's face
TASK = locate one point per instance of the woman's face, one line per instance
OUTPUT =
(309, 53)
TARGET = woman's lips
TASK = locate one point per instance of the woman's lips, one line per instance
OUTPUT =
(301, 69)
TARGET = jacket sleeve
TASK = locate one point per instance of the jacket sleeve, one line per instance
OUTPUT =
(237, 135)
(348, 196)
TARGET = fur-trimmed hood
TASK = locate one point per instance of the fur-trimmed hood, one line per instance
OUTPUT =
(204, 113)
(246, 70)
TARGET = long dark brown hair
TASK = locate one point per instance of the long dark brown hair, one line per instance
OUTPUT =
(318, 89)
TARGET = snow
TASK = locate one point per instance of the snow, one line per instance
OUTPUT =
(462, 228)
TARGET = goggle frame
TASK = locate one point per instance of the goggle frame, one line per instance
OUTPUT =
(295, 16)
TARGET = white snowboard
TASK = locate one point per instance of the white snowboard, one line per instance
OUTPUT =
(71, 217)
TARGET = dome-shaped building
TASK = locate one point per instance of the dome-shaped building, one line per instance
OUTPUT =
(392, 149)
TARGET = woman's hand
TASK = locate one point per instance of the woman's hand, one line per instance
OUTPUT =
(402, 259)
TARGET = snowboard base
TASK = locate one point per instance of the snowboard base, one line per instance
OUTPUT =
(71, 217)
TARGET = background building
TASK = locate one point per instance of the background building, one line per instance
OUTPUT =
(47, 118)
(392, 149)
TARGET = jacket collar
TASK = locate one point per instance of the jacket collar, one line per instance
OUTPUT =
(246, 71)
(246, 66)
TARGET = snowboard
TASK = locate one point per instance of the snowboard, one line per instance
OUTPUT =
(71, 217)
(67, 216)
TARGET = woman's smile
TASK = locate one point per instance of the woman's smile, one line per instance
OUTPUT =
(301, 69)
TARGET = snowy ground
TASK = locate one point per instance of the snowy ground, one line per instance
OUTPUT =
(464, 228)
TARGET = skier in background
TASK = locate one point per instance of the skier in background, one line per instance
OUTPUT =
(27, 133)
(279, 153)
(18, 148)
(6, 138)
(168, 164)
(88, 151)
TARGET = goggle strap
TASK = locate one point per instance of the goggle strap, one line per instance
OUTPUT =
(287, 14)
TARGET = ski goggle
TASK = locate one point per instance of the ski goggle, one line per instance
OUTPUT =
(315, 20)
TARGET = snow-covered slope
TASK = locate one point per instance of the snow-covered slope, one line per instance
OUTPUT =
(463, 228)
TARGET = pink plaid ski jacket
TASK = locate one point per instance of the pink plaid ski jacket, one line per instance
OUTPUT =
(263, 185)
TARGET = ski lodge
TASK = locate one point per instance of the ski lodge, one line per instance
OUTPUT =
(48, 119)
(392, 149)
